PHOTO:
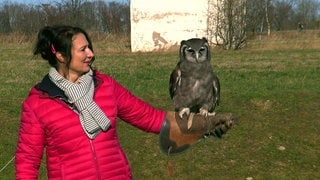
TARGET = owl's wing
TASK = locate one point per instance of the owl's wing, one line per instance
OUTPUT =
(216, 90)
(175, 79)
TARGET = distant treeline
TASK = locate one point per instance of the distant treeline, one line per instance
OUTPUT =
(100, 16)
(114, 17)
(282, 14)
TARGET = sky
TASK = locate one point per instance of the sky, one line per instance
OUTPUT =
(48, 1)
(29, 1)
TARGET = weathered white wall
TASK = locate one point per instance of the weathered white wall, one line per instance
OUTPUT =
(159, 24)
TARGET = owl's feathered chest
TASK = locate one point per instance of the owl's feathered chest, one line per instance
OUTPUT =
(195, 70)
(195, 77)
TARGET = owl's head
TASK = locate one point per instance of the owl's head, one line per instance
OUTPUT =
(195, 50)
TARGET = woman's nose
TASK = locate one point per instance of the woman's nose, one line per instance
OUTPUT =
(90, 53)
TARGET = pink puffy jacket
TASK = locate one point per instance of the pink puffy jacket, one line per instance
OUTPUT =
(49, 122)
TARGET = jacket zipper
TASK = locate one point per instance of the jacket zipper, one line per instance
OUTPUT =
(95, 161)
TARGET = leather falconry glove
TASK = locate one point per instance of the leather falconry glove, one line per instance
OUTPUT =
(178, 134)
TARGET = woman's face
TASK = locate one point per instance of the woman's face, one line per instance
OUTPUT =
(81, 57)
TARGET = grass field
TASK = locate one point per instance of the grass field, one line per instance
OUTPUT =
(273, 86)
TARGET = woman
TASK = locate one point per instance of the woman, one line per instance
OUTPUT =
(73, 111)
(72, 114)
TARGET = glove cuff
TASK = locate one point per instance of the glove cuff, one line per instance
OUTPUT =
(171, 139)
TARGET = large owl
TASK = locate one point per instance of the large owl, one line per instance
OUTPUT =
(193, 85)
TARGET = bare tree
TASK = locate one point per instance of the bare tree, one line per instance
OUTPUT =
(282, 15)
(229, 20)
(5, 26)
(266, 7)
(307, 12)
(116, 17)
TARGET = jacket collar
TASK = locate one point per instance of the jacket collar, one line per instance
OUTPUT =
(48, 87)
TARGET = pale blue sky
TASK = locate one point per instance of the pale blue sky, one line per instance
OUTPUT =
(29, 1)
(48, 1)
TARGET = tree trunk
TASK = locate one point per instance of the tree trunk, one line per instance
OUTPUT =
(267, 17)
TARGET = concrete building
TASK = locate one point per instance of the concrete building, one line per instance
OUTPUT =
(159, 24)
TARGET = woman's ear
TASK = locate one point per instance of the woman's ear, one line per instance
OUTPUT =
(60, 57)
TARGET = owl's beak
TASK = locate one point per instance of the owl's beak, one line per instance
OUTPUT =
(197, 56)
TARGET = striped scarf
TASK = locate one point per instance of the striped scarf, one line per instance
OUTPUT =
(92, 118)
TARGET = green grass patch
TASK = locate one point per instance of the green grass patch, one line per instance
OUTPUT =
(275, 94)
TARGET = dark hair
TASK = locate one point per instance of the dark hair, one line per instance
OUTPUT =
(52, 39)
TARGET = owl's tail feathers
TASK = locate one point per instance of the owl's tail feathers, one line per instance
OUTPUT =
(176, 137)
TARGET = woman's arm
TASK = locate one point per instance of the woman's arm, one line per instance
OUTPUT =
(30, 144)
(137, 112)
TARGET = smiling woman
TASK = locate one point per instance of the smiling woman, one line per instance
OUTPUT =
(72, 113)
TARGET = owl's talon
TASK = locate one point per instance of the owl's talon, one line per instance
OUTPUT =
(190, 119)
(184, 111)
(204, 112)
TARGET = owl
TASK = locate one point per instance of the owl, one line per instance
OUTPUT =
(193, 85)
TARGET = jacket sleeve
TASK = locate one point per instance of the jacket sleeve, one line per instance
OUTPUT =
(138, 113)
(30, 144)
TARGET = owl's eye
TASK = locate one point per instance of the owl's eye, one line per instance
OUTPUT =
(202, 49)
(190, 50)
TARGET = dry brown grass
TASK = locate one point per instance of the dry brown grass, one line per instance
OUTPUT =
(103, 43)
(108, 43)
(284, 40)
(16, 38)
